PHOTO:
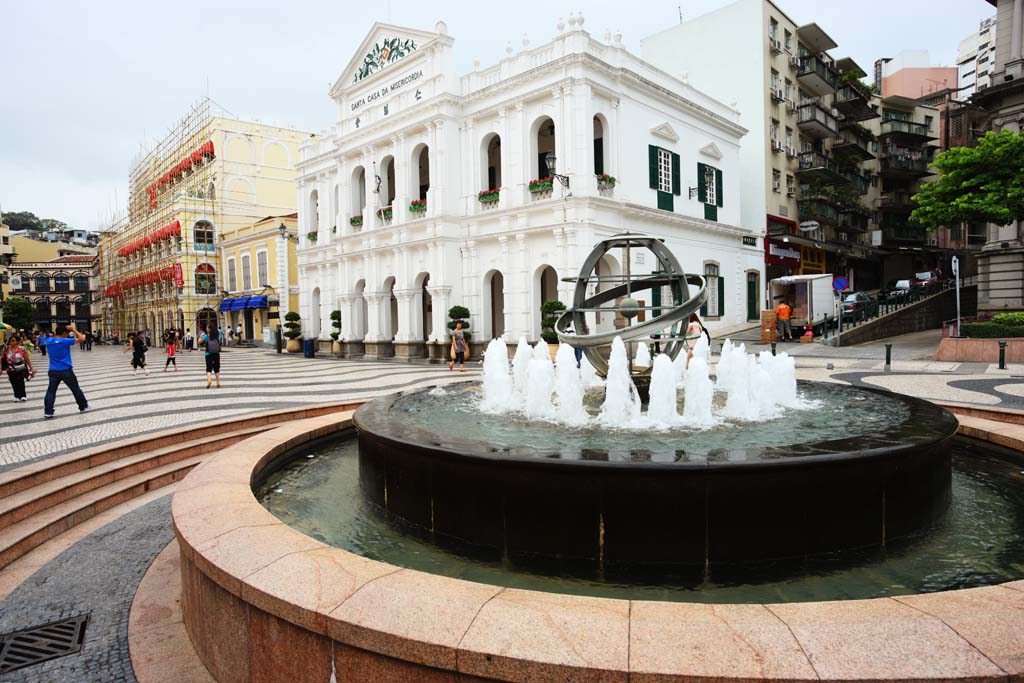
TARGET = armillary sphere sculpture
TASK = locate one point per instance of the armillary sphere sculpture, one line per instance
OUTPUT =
(669, 303)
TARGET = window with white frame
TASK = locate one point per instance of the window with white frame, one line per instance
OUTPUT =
(246, 273)
(664, 171)
(712, 190)
(713, 304)
(262, 269)
(232, 278)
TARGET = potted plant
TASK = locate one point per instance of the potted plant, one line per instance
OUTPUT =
(334, 230)
(293, 332)
(356, 221)
(550, 310)
(488, 196)
(385, 213)
(311, 236)
(459, 314)
(418, 206)
(336, 324)
(540, 185)
(605, 181)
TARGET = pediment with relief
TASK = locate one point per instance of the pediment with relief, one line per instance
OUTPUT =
(384, 47)
(711, 150)
(665, 131)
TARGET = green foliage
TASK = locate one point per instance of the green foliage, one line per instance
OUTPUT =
(52, 224)
(459, 313)
(991, 330)
(22, 220)
(18, 313)
(550, 310)
(983, 184)
(336, 324)
(294, 326)
(549, 336)
(1009, 319)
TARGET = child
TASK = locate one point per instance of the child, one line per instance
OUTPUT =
(170, 354)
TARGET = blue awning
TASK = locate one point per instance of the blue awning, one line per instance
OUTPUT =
(226, 304)
(257, 302)
(239, 303)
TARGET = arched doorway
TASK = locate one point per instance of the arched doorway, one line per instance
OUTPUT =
(600, 148)
(543, 142)
(204, 318)
(313, 212)
(494, 309)
(358, 198)
(490, 169)
(545, 288)
(387, 182)
(390, 311)
(753, 295)
(420, 172)
(426, 307)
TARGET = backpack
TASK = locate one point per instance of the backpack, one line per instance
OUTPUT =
(139, 345)
(213, 344)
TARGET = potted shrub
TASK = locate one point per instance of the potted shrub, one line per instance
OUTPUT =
(334, 230)
(356, 221)
(550, 310)
(605, 181)
(385, 213)
(459, 314)
(540, 185)
(336, 324)
(293, 331)
(418, 206)
(488, 196)
(311, 236)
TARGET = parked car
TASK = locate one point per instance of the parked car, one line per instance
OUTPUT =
(926, 281)
(902, 288)
(860, 305)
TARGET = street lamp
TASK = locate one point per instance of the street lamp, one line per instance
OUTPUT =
(550, 159)
(283, 229)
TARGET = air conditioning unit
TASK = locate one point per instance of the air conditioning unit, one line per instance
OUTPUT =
(775, 44)
(777, 95)
(791, 106)
(791, 152)
(794, 61)
(933, 242)
(844, 237)
(791, 191)
(776, 186)
(777, 146)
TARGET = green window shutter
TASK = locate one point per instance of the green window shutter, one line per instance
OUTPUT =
(721, 296)
(702, 185)
(675, 174)
(718, 187)
(652, 159)
(666, 201)
(704, 309)
(710, 212)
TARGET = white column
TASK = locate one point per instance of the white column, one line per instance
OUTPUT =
(520, 290)
(346, 305)
(403, 175)
(370, 220)
(441, 300)
(503, 132)
(407, 328)
(375, 302)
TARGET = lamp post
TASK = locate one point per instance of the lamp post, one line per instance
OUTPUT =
(283, 229)
(550, 159)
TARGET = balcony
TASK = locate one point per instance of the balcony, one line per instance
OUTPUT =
(817, 166)
(899, 166)
(854, 104)
(899, 229)
(854, 219)
(817, 76)
(897, 202)
(816, 121)
(815, 208)
(906, 129)
(851, 145)
(860, 182)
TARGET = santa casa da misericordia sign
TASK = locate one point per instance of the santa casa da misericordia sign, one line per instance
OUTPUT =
(387, 51)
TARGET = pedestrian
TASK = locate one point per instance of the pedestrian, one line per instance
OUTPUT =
(231, 335)
(18, 365)
(89, 337)
(783, 313)
(37, 341)
(212, 340)
(61, 369)
(694, 329)
(170, 355)
(238, 333)
(189, 340)
(137, 345)
(458, 352)
(81, 345)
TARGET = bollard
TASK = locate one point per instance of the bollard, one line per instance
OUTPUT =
(773, 350)
(888, 356)
(1002, 355)
(826, 327)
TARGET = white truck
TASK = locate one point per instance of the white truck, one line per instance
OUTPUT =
(810, 297)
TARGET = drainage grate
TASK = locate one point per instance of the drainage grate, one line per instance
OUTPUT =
(41, 643)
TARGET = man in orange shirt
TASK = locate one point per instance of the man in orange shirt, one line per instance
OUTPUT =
(782, 313)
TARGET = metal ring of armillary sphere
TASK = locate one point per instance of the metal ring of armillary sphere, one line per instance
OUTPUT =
(665, 326)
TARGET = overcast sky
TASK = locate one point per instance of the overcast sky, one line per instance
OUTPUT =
(84, 84)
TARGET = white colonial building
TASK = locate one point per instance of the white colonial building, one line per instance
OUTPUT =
(424, 195)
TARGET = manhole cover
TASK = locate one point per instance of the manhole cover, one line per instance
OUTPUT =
(41, 643)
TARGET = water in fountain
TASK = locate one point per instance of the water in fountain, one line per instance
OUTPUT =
(782, 369)
(679, 367)
(497, 380)
(643, 356)
(699, 393)
(540, 383)
(588, 375)
(569, 387)
(757, 386)
(621, 402)
(662, 405)
(520, 364)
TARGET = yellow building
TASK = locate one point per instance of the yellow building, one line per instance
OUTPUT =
(30, 250)
(260, 276)
(211, 176)
(6, 250)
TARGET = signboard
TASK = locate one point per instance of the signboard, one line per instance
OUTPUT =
(779, 253)
(749, 241)
(839, 283)
(956, 268)
(273, 315)
(809, 226)
(15, 282)
(385, 90)
(179, 277)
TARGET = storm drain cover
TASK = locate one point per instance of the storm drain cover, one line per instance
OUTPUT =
(41, 643)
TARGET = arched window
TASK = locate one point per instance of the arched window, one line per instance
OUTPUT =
(387, 181)
(202, 235)
(490, 169)
(313, 212)
(42, 283)
(421, 172)
(544, 144)
(206, 279)
(61, 282)
(358, 189)
(599, 145)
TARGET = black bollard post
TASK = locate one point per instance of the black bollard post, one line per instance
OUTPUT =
(773, 349)
(1002, 355)
(277, 338)
(888, 356)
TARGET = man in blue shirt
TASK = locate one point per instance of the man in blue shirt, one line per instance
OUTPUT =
(61, 369)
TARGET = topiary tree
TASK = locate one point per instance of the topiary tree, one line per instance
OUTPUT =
(18, 313)
(459, 314)
(292, 323)
(550, 310)
(336, 324)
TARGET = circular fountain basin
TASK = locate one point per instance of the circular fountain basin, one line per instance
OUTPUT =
(859, 467)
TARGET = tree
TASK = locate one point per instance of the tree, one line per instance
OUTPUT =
(459, 314)
(336, 324)
(550, 312)
(294, 326)
(18, 313)
(54, 225)
(22, 220)
(983, 184)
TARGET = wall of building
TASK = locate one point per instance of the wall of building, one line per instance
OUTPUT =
(918, 82)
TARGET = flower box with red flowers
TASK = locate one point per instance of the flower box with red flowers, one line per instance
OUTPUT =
(541, 185)
(418, 205)
(311, 236)
(488, 196)
(356, 221)
(384, 213)
(606, 181)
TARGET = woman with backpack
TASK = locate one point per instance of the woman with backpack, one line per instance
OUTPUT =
(18, 366)
(137, 344)
(212, 340)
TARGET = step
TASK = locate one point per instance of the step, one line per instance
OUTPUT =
(48, 469)
(20, 538)
(23, 504)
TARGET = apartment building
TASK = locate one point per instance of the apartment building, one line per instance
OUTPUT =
(975, 58)
(911, 74)
(806, 112)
